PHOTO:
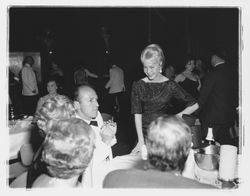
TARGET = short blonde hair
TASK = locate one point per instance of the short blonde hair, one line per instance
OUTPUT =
(153, 51)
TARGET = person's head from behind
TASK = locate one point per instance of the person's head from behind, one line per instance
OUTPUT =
(218, 55)
(153, 61)
(52, 86)
(56, 108)
(28, 60)
(68, 148)
(86, 102)
(168, 143)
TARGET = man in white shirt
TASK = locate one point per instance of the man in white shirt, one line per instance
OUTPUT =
(116, 86)
(86, 104)
(29, 83)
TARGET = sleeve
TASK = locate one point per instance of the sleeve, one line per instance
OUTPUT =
(136, 105)
(180, 94)
(206, 89)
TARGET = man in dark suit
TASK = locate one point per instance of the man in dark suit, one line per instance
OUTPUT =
(218, 99)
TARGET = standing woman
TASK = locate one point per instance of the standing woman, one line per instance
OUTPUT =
(151, 95)
(188, 80)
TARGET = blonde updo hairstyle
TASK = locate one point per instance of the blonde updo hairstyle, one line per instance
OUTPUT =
(153, 52)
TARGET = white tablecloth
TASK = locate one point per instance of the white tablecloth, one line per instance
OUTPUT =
(130, 161)
(94, 178)
(19, 134)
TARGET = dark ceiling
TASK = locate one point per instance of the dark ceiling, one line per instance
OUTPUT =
(77, 31)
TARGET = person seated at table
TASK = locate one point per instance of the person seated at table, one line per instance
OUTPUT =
(168, 144)
(55, 108)
(86, 105)
(67, 152)
(52, 87)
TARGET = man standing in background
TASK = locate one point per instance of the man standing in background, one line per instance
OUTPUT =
(29, 86)
(218, 99)
(116, 86)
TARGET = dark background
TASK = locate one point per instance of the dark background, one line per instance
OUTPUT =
(77, 35)
(77, 40)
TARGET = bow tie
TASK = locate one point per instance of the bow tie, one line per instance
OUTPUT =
(94, 123)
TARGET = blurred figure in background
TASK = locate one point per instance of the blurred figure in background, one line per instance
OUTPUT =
(57, 73)
(29, 86)
(170, 72)
(81, 76)
(201, 69)
(218, 98)
(188, 80)
(116, 87)
(15, 93)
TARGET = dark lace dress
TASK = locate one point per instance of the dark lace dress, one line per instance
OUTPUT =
(152, 99)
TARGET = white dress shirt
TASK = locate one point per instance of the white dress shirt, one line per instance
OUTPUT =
(102, 154)
(116, 80)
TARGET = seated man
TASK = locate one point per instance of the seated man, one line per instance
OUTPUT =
(67, 152)
(168, 144)
(86, 106)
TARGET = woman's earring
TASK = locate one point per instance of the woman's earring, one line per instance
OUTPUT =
(160, 70)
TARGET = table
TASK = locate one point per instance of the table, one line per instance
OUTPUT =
(19, 134)
(130, 161)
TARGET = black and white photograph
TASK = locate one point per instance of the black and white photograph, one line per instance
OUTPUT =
(130, 96)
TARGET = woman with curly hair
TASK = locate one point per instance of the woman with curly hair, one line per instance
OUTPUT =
(55, 108)
(67, 151)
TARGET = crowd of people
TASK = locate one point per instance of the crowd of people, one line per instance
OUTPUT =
(76, 141)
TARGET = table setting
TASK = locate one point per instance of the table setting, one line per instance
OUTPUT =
(19, 134)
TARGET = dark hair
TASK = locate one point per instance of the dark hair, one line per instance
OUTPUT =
(191, 58)
(219, 51)
(29, 60)
(168, 143)
(68, 148)
(52, 79)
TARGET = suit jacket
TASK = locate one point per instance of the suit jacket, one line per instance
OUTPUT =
(116, 80)
(139, 178)
(218, 97)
